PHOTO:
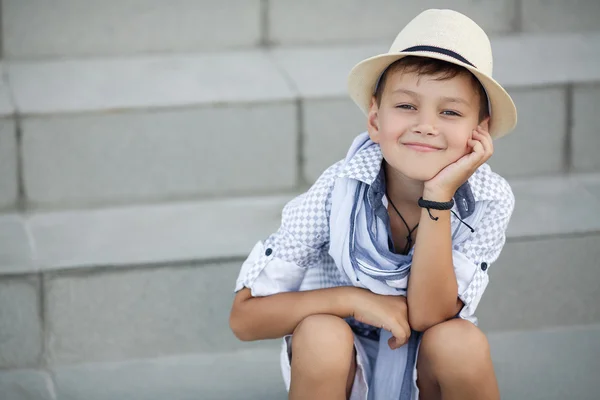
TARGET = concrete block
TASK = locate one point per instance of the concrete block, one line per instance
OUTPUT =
(537, 146)
(154, 234)
(138, 156)
(26, 385)
(586, 128)
(543, 283)
(20, 329)
(8, 164)
(249, 374)
(140, 313)
(16, 250)
(321, 72)
(559, 15)
(591, 182)
(329, 125)
(293, 22)
(38, 28)
(547, 207)
(146, 82)
(530, 59)
(548, 365)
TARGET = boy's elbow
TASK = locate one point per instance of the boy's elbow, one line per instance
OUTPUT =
(421, 319)
(239, 327)
(238, 318)
(419, 324)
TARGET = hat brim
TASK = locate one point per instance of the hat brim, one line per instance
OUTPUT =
(365, 75)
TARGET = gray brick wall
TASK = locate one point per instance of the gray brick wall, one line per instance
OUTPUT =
(537, 146)
(37, 28)
(559, 15)
(27, 385)
(557, 276)
(20, 326)
(356, 20)
(172, 154)
(119, 315)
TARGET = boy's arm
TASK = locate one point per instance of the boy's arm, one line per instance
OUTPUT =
(277, 315)
(433, 290)
(440, 273)
(270, 317)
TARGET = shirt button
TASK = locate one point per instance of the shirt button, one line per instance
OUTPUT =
(484, 266)
(268, 252)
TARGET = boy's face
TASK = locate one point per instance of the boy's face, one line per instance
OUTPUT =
(422, 123)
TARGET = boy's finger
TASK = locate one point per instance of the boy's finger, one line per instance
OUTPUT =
(486, 139)
(399, 338)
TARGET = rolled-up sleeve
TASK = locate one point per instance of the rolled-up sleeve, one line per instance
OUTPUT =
(474, 256)
(279, 264)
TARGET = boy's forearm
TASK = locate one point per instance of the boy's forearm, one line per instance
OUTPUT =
(432, 288)
(270, 317)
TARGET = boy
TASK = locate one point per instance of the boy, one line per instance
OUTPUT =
(370, 267)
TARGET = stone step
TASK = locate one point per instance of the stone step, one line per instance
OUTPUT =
(551, 364)
(181, 127)
(227, 228)
(137, 282)
(64, 28)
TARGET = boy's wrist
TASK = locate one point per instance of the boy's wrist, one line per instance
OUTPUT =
(437, 194)
(346, 298)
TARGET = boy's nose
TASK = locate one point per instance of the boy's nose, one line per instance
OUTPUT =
(425, 129)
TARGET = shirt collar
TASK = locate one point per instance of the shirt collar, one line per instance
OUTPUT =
(365, 165)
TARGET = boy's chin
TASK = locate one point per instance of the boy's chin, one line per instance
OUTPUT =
(422, 175)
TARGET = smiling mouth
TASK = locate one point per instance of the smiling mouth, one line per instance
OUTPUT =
(423, 148)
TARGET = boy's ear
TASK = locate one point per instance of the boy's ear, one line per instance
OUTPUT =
(373, 121)
(485, 124)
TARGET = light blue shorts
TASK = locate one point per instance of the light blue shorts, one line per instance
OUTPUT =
(366, 356)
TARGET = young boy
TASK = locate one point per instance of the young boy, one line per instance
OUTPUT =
(375, 273)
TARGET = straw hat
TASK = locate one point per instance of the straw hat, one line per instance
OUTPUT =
(445, 35)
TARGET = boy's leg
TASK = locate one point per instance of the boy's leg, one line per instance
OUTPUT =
(323, 359)
(455, 363)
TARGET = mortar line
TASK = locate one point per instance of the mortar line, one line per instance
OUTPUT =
(42, 305)
(264, 23)
(568, 140)
(517, 22)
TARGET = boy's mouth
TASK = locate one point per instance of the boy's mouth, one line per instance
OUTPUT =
(421, 147)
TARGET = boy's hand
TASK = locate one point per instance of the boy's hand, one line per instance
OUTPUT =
(387, 312)
(443, 186)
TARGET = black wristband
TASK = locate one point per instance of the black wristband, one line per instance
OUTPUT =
(436, 205)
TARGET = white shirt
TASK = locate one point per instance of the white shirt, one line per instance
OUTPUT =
(296, 256)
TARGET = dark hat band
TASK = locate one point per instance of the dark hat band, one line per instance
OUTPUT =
(440, 50)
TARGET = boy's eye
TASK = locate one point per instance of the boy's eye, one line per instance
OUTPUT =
(406, 106)
(451, 113)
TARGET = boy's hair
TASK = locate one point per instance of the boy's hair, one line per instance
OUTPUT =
(441, 69)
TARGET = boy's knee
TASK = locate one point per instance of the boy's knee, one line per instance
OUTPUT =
(456, 347)
(324, 342)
